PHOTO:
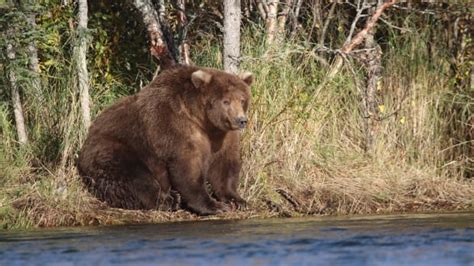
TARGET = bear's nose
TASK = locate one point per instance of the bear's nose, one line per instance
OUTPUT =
(242, 121)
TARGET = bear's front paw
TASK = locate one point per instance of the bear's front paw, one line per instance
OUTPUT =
(222, 207)
(212, 207)
(238, 204)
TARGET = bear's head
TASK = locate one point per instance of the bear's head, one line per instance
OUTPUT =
(226, 97)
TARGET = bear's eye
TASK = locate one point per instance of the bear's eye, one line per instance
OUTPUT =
(226, 102)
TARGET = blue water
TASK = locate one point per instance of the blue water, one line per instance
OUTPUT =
(441, 239)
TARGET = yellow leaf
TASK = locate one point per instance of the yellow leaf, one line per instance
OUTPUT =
(382, 108)
(49, 62)
(402, 120)
(108, 77)
(379, 84)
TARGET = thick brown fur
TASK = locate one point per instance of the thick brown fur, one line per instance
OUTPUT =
(178, 133)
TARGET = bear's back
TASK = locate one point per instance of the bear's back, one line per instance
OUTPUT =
(118, 121)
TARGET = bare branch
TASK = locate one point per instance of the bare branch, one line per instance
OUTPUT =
(265, 6)
(347, 48)
(395, 27)
(317, 18)
(296, 13)
(425, 12)
(370, 24)
(330, 16)
(361, 6)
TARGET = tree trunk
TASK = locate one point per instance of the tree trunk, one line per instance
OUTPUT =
(34, 62)
(283, 17)
(184, 57)
(372, 60)
(158, 46)
(316, 10)
(271, 23)
(296, 13)
(162, 9)
(81, 62)
(262, 9)
(17, 108)
(231, 35)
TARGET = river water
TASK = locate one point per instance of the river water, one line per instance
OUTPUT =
(433, 239)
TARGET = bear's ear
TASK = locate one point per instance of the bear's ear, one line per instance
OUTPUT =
(200, 78)
(247, 77)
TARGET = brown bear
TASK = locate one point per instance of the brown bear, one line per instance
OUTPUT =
(178, 133)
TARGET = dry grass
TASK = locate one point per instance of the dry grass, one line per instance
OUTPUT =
(45, 203)
(321, 191)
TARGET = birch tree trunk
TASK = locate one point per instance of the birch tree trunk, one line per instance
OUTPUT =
(232, 35)
(262, 9)
(162, 9)
(158, 46)
(81, 63)
(34, 62)
(283, 17)
(271, 23)
(16, 101)
(184, 57)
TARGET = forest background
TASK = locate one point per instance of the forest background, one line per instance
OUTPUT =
(358, 106)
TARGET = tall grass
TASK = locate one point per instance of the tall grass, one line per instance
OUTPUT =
(303, 150)
(319, 157)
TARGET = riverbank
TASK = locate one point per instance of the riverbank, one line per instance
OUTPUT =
(42, 203)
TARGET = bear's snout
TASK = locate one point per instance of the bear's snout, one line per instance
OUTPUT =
(242, 121)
